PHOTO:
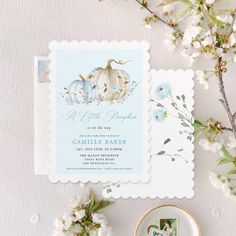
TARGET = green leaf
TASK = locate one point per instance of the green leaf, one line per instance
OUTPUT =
(102, 204)
(197, 133)
(212, 18)
(227, 155)
(161, 153)
(167, 141)
(232, 172)
(92, 199)
(183, 97)
(223, 161)
(198, 124)
(182, 12)
(166, 2)
(84, 233)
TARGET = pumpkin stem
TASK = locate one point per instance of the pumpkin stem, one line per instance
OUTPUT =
(81, 77)
(120, 62)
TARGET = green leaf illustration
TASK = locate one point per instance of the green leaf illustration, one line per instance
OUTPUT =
(167, 141)
(161, 153)
(184, 124)
(159, 105)
(181, 116)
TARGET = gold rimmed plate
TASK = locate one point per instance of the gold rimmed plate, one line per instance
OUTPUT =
(167, 220)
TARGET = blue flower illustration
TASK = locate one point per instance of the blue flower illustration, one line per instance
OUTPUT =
(160, 114)
(163, 91)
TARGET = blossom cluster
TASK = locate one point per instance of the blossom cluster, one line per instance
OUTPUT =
(209, 32)
(84, 219)
(221, 182)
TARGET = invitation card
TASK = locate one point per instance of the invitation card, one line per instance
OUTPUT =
(171, 140)
(99, 111)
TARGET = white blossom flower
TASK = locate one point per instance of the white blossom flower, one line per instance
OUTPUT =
(75, 203)
(167, 10)
(196, 44)
(226, 190)
(148, 26)
(234, 27)
(76, 228)
(78, 215)
(105, 231)
(219, 182)
(232, 142)
(232, 40)
(190, 33)
(93, 233)
(209, 146)
(67, 221)
(201, 78)
(226, 45)
(189, 57)
(195, 19)
(220, 52)
(226, 18)
(234, 58)
(78, 202)
(59, 225)
(170, 38)
(209, 2)
(99, 219)
(58, 233)
(82, 185)
(207, 41)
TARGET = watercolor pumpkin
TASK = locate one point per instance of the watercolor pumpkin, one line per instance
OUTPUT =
(111, 84)
(80, 91)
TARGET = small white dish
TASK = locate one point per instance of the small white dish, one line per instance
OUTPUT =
(149, 225)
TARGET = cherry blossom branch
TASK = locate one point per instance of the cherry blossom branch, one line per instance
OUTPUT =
(224, 100)
(172, 25)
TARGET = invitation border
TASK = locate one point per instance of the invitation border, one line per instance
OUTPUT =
(84, 178)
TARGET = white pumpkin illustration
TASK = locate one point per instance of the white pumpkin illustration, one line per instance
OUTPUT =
(111, 84)
(80, 91)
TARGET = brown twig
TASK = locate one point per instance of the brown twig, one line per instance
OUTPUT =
(227, 129)
(224, 100)
(175, 27)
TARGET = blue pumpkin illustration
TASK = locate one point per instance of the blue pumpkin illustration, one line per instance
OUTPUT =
(80, 91)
